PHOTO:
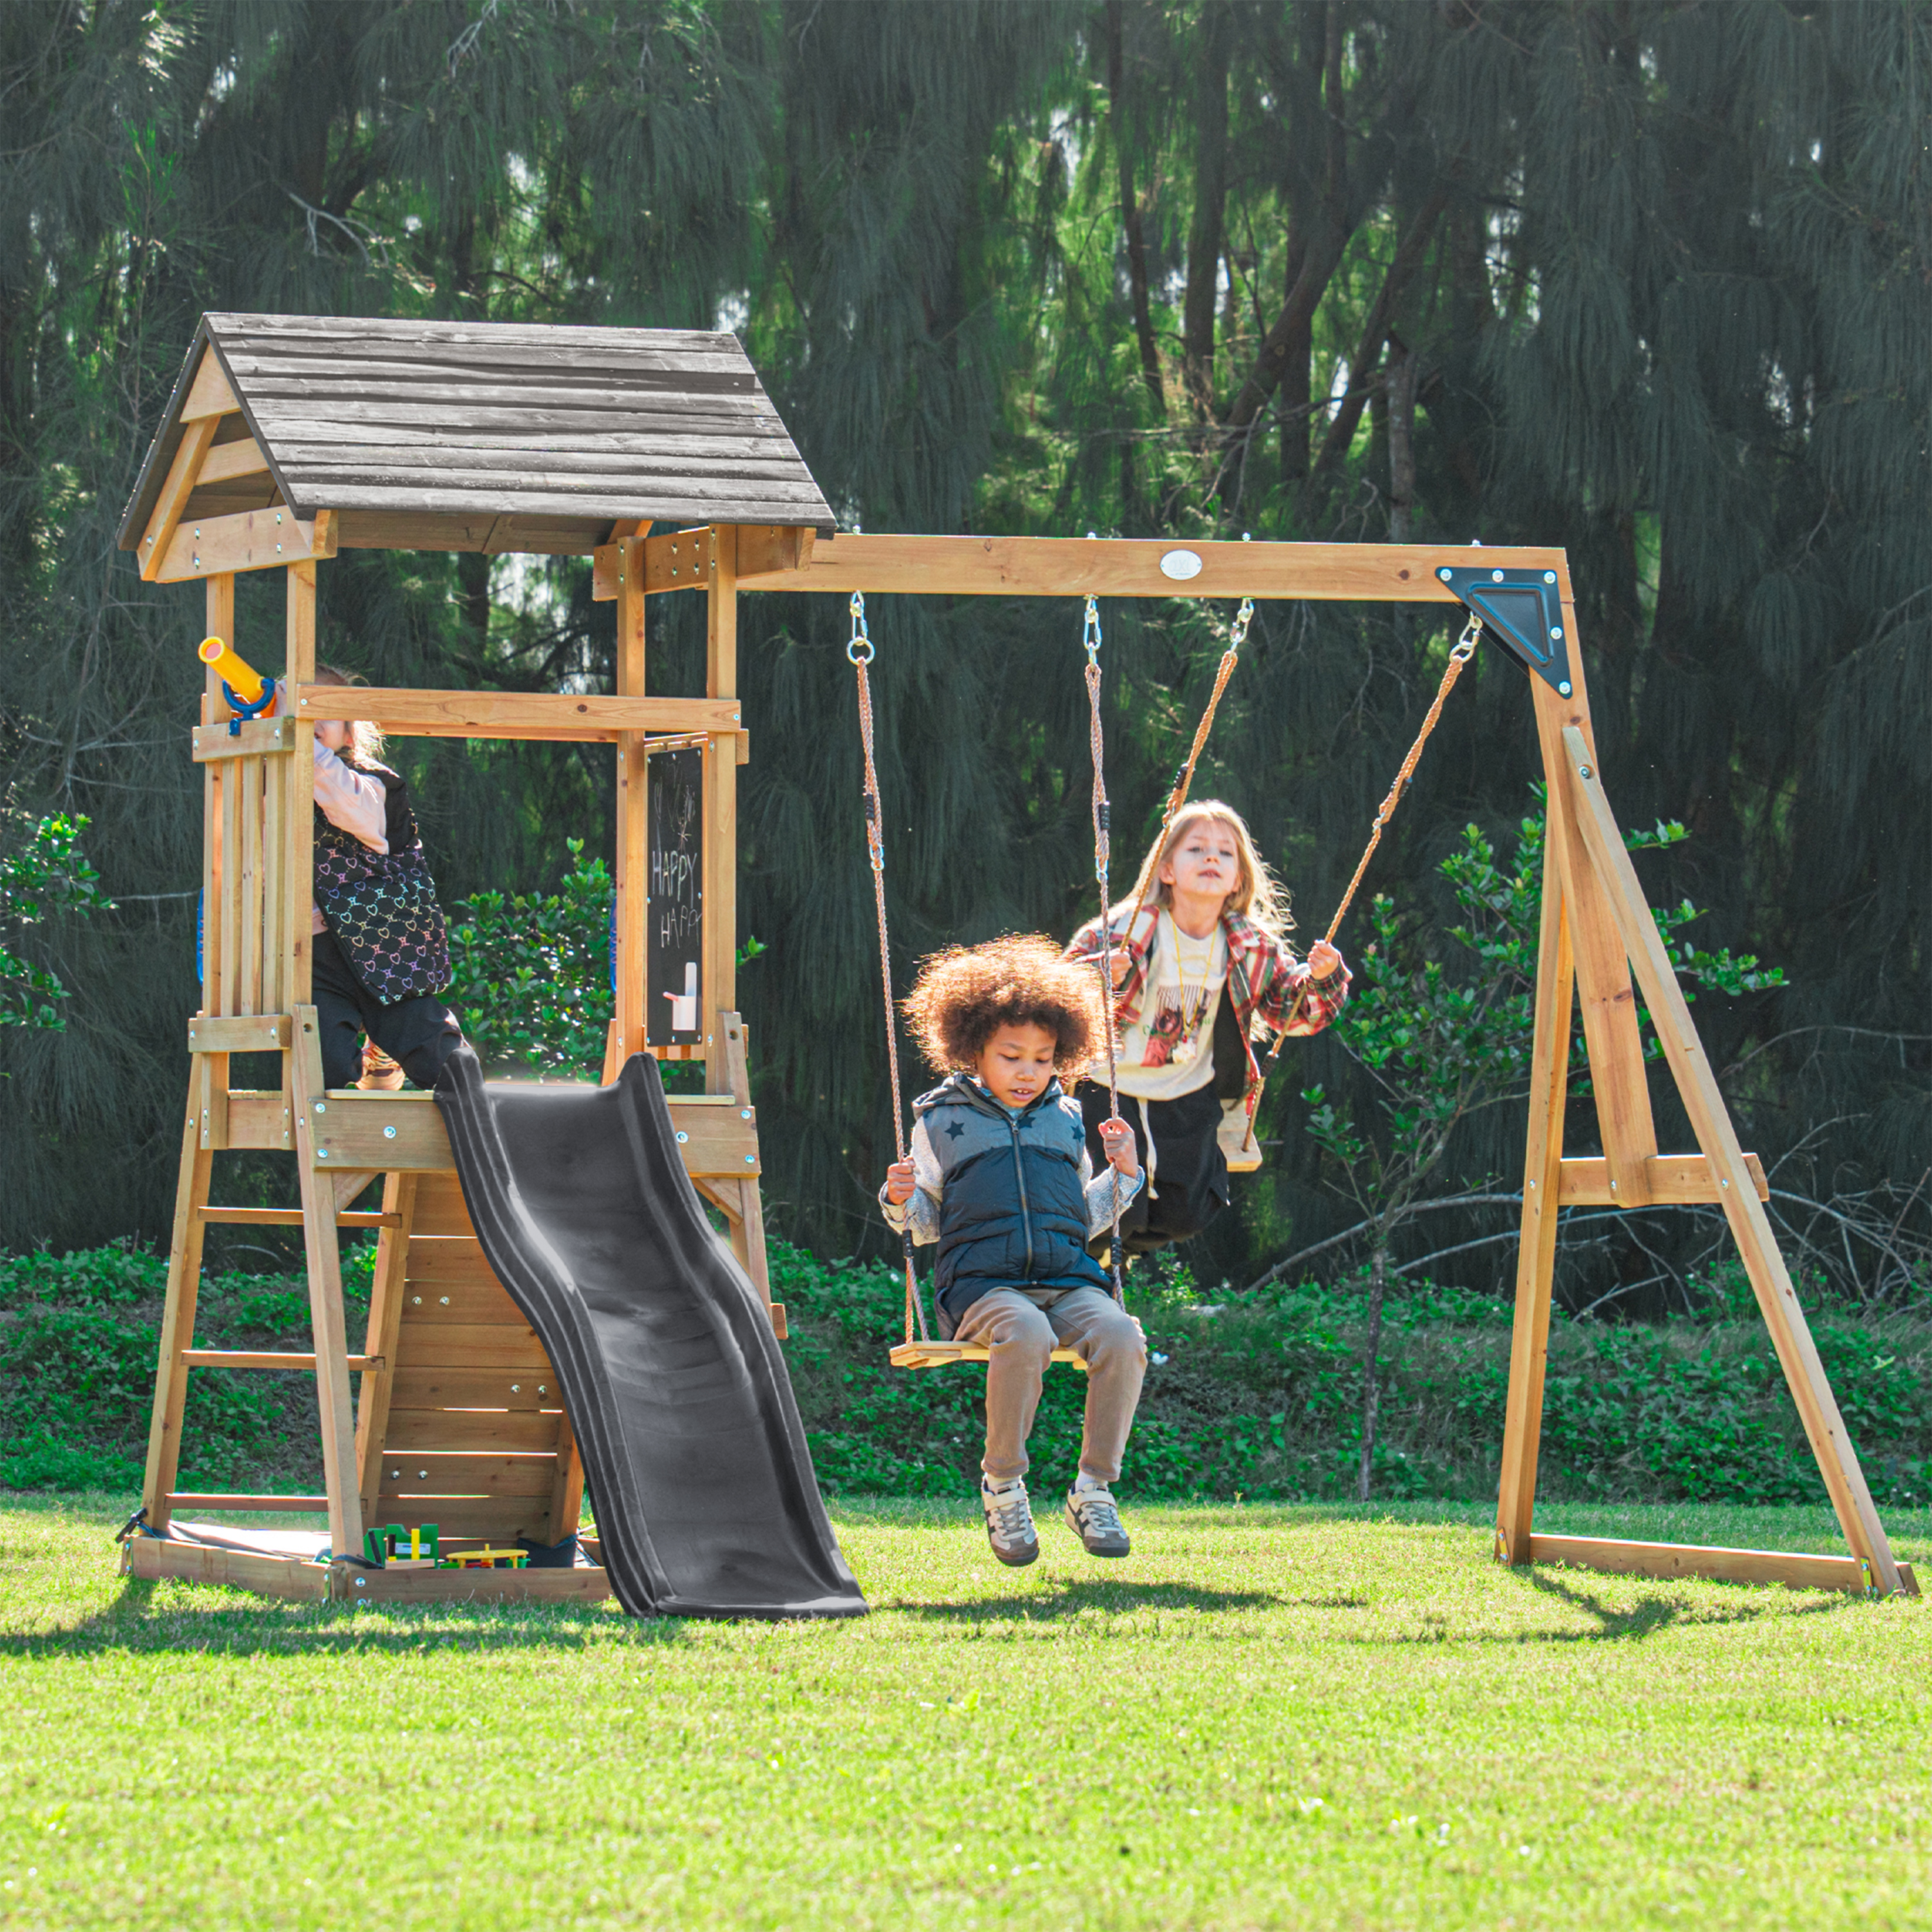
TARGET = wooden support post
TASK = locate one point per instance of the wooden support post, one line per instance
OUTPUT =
(748, 1224)
(385, 1321)
(325, 1291)
(566, 1493)
(1617, 1071)
(719, 971)
(1616, 885)
(1536, 1256)
(171, 1371)
(633, 805)
(298, 887)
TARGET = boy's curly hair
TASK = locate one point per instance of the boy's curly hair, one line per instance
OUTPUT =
(964, 995)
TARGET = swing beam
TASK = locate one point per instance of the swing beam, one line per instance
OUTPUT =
(1596, 926)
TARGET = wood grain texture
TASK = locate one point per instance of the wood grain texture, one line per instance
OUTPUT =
(249, 540)
(155, 1557)
(1799, 1570)
(184, 1288)
(387, 1291)
(1711, 1121)
(190, 454)
(585, 1584)
(564, 716)
(1672, 1179)
(1127, 567)
(447, 423)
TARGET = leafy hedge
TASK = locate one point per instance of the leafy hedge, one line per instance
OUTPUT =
(1260, 1399)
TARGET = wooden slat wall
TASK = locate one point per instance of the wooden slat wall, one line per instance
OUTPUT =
(478, 421)
(242, 910)
(470, 1440)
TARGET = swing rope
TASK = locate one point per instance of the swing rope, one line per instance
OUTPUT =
(1102, 857)
(860, 652)
(1465, 649)
(1183, 779)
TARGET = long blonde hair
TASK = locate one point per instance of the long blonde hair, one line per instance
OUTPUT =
(1258, 897)
(365, 740)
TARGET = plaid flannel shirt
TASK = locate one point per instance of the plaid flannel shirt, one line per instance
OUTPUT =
(1264, 978)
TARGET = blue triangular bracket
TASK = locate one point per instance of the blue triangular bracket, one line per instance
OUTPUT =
(1521, 611)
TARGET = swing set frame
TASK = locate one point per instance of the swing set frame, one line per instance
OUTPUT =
(1597, 935)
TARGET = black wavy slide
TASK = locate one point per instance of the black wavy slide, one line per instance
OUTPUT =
(706, 1504)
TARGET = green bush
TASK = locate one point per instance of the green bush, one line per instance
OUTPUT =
(1259, 1398)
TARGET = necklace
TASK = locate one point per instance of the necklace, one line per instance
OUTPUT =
(1194, 968)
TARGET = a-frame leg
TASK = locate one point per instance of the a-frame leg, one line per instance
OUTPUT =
(325, 1297)
(1536, 1257)
(748, 1225)
(1616, 880)
(171, 1372)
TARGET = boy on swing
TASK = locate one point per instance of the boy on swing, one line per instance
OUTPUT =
(1000, 1177)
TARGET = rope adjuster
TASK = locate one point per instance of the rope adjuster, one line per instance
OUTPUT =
(1090, 634)
(859, 650)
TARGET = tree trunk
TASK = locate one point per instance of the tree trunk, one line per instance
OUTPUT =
(1401, 440)
(1402, 268)
(1130, 209)
(1210, 194)
(1371, 1378)
(1297, 353)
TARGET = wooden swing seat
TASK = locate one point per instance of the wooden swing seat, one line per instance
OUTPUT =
(943, 1354)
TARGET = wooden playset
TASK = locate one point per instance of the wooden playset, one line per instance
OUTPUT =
(289, 438)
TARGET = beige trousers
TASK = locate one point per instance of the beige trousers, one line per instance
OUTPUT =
(1022, 1327)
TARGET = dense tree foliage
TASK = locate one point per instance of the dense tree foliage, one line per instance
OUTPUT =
(1645, 278)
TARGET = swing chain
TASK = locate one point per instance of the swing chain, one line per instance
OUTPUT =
(1102, 853)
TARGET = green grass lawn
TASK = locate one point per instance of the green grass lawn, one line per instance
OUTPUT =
(1279, 1716)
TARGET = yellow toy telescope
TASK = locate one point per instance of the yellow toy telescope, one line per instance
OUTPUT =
(241, 677)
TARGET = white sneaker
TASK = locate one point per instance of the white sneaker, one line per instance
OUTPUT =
(1094, 1517)
(1010, 1521)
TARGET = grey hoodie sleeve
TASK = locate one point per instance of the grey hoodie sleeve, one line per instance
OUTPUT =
(1100, 1192)
(921, 1213)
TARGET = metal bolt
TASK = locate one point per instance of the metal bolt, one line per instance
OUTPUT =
(361, 1583)
(744, 1113)
(1613, 1187)
(751, 1160)
(1549, 576)
(542, 1389)
(321, 1154)
(443, 1301)
(1495, 576)
(1532, 1187)
(1584, 772)
(415, 1301)
(322, 1106)
(1556, 631)
(516, 1388)
(1722, 1182)
(683, 1137)
(1565, 687)
(388, 1133)
(1444, 573)
(396, 1473)
(422, 1475)
(278, 519)
(197, 534)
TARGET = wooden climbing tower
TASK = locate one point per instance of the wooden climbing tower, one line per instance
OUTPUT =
(289, 438)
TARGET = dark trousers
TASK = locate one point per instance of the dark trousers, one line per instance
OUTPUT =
(1190, 1181)
(421, 1033)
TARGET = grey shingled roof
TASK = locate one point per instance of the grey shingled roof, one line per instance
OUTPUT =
(428, 432)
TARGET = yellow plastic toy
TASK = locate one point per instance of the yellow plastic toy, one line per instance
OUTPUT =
(241, 676)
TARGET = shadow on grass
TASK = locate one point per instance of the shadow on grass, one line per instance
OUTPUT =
(1651, 1613)
(257, 1626)
(1070, 1599)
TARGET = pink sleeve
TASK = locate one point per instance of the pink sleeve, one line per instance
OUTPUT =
(352, 799)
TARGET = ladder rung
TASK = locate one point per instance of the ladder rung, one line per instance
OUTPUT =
(178, 1499)
(257, 1358)
(292, 1217)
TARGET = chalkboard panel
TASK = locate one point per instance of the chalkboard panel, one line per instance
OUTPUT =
(674, 906)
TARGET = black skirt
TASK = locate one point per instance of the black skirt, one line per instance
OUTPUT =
(1190, 1177)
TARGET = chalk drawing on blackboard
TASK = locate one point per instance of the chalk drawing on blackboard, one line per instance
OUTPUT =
(674, 913)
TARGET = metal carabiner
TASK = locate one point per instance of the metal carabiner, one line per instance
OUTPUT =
(1465, 645)
(860, 635)
(1090, 634)
(1243, 617)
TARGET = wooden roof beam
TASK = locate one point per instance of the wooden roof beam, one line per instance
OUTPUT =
(1124, 567)
(248, 540)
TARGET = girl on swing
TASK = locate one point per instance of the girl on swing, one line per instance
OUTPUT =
(1205, 967)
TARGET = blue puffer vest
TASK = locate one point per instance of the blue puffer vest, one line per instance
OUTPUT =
(1013, 1212)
